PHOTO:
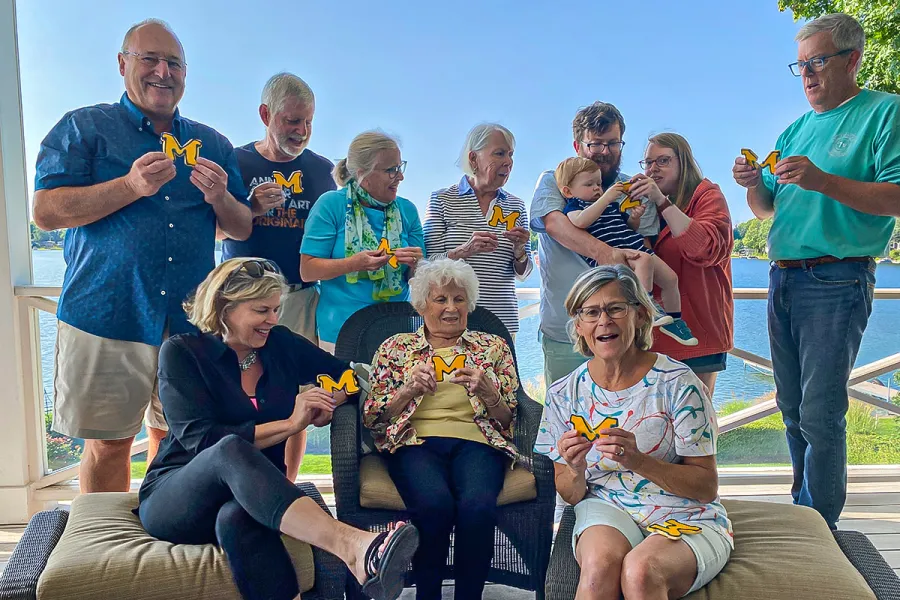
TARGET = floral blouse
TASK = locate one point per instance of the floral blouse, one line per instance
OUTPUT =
(399, 354)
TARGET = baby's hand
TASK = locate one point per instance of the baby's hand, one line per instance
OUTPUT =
(613, 192)
(638, 211)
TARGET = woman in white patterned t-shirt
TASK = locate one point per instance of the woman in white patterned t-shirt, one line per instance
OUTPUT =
(478, 221)
(633, 435)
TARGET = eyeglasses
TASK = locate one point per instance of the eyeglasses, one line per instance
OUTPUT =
(595, 147)
(616, 310)
(394, 172)
(150, 61)
(814, 64)
(662, 161)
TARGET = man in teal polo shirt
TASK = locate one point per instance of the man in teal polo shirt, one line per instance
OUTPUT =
(833, 198)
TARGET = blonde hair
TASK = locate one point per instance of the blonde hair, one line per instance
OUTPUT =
(568, 169)
(362, 156)
(440, 273)
(590, 282)
(689, 174)
(225, 287)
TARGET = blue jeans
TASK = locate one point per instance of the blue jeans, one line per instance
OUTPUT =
(817, 317)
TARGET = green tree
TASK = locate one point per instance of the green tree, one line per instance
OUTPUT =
(881, 21)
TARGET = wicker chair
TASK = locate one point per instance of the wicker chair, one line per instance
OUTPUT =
(525, 529)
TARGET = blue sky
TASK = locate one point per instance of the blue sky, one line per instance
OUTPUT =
(426, 72)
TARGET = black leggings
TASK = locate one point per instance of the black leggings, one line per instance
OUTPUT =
(229, 494)
(449, 482)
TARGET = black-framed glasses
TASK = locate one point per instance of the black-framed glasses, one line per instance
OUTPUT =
(394, 172)
(616, 310)
(151, 60)
(596, 147)
(662, 161)
(815, 64)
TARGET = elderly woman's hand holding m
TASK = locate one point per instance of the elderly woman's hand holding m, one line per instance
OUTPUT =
(481, 241)
(420, 381)
(478, 384)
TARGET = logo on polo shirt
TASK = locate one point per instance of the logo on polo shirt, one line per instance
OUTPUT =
(841, 144)
(190, 150)
(294, 182)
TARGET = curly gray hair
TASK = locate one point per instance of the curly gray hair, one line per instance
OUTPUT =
(590, 282)
(439, 273)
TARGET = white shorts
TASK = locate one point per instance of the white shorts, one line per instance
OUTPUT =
(710, 547)
(104, 388)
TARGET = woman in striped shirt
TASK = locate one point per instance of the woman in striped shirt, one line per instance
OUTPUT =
(478, 221)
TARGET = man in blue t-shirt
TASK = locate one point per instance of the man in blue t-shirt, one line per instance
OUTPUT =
(833, 198)
(285, 179)
(142, 190)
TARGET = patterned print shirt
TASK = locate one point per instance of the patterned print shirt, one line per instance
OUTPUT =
(399, 354)
(670, 415)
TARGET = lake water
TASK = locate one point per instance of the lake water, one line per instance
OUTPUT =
(737, 382)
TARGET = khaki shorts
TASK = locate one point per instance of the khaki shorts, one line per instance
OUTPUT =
(710, 548)
(104, 388)
(298, 312)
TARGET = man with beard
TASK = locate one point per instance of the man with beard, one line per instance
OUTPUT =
(141, 237)
(598, 131)
(285, 179)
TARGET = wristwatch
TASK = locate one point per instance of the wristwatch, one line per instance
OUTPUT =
(664, 205)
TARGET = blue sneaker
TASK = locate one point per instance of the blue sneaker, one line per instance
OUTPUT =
(661, 318)
(680, 332)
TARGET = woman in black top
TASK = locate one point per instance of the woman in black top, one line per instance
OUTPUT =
(230, 399)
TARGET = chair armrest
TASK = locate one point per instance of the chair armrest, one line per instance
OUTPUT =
(20, 577)
(330, 572)
(869, 562)
(345, 457)
(563, 571)
(528, 421)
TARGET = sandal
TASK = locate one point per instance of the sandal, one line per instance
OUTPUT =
(387, 560)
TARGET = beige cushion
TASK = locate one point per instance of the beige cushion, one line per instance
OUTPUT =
(105, 553)
(377, 490)
(785, 552)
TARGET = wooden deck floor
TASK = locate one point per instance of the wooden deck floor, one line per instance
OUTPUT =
(872, 508)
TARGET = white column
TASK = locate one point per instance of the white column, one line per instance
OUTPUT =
(21, 445)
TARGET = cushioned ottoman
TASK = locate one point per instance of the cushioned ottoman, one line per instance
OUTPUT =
(781, 552)
(103, 552)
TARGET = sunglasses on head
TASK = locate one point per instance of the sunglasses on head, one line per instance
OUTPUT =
(257, 268)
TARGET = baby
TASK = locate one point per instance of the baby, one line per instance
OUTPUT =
(589, 208)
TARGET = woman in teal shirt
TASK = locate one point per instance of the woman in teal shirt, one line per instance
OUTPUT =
(353, 235)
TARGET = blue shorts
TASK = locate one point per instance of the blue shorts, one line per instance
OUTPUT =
(710, 548)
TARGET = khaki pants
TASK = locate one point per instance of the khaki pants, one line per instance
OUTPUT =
(298, 312)
(104, 388)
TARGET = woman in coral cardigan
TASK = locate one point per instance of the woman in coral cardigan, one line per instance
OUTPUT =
(695, 240)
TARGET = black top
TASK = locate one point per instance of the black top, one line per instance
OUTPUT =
(203, 401)
(277, 235)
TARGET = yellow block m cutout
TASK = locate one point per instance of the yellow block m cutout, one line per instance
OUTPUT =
(497, 217)
(441, 368)
(294, 182)
(673, 529)
(769, 163)
(386, 246)
(592, 433)
(346, 383)
(190, 151)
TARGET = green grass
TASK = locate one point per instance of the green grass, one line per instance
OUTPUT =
(313, 464)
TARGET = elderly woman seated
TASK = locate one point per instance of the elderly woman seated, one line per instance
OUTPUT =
(230, 397)
(441, 409)
(633, 435)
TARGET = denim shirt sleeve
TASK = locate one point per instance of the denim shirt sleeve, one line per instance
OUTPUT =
(65, 156)
(189, 405)
(546, 199)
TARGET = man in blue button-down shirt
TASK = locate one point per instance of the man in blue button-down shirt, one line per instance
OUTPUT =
(141, 237)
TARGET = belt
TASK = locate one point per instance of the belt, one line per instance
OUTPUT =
(808, 263)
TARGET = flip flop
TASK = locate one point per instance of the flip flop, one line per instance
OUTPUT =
(386, 568)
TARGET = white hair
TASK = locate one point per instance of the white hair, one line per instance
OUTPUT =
(440, 273)
(478, 139)
(282, 86)
(846, 32)
(136, 26)
(362, 156)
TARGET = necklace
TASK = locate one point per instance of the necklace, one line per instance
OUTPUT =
(248, 360)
